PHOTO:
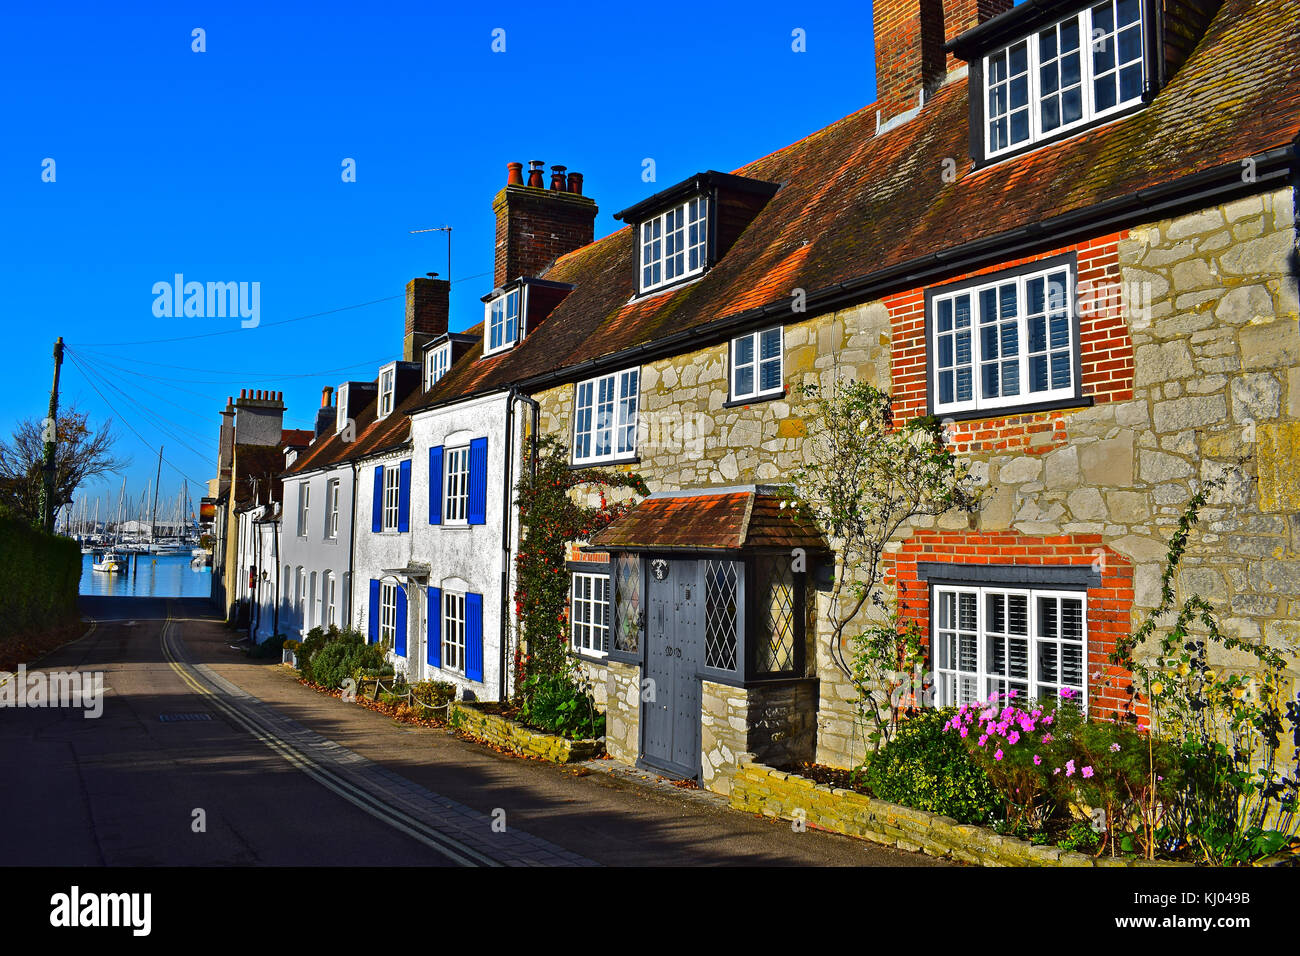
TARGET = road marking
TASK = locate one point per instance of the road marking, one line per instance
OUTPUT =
(434, 839)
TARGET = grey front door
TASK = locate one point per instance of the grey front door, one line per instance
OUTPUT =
(670, 722)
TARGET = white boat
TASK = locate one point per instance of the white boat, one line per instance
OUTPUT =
(110, 562)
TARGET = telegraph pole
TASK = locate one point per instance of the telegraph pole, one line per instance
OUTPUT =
(50, 437)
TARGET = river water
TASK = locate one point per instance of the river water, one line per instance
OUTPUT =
(150, 575)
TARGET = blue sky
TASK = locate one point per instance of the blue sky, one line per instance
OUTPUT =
(226, 166)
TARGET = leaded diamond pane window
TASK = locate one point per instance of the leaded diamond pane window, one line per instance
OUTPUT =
(776, 631)
(721, 614)
(627, 593)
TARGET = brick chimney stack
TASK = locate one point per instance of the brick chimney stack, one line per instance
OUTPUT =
(325, 414)
(428, 304)
(535, 224)
(909, 37)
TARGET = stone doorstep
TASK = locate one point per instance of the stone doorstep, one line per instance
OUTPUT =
(769, 792)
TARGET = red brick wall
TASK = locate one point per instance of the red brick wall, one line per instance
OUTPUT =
(1106, 353)
(1108, 606)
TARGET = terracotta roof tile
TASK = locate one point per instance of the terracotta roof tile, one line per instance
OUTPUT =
(729, 520)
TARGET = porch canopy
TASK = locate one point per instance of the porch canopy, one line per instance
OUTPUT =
(737, 518)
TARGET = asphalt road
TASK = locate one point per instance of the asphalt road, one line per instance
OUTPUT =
(194, 732)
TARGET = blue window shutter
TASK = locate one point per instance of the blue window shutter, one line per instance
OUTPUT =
(477, 508)
(404, 496)
(374, 610)
(434, 642)
(474, 636)
(377, 515)
(435, 485)
(399, 640)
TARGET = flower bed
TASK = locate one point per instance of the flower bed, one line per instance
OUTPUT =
(774, 793)
(513, 736)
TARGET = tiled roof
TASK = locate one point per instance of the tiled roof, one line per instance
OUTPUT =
(852, 203)
(725, 519)
(257, 466)
(296, 437)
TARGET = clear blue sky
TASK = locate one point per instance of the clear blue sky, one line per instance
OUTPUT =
(225, 166)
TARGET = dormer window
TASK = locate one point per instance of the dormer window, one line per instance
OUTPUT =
(502, 320)
(1064, 75)
(436, 362)
(387, 382)
(673, 244)
(341, 414)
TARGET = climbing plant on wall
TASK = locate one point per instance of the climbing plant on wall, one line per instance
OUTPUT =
(550, 516)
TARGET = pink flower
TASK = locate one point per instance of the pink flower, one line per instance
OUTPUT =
(1037, 760)
(1069, 768)
(998, 754)
(1056, 771)
(1049, 718)
(1067, 693)
(1114, 748)
(1013, 738)
(984, 738)
(1047, 738)
(1087, 772)
(964, 731)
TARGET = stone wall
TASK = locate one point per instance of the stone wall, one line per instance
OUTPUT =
(622, 704)
(515, 737)
(723, 733)
(756, 788)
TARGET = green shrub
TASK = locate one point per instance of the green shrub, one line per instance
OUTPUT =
(39, 577)
(345, 654)
(557, 705)
(434, 693)
(927, 769)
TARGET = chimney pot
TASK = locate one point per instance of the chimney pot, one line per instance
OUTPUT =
(575, 183)
(326, 396)
(514, 174)
(557, 178)
(535, 167)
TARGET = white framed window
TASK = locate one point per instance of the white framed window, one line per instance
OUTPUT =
(757, 365)
(673, 244)
(453, 631)
(1084, 67)
(301, 602)
(332, 508)
(304, 507)
(995, 640)
(387, 612)
(387, 386)
(1004, 341)
(436, 362)
(589, 613)
(501, 316)
(605, 417)
(392, 497)
(341, 410)
(455, 485)
(329, 596)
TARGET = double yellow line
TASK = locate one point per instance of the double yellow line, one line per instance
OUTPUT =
(434, 839)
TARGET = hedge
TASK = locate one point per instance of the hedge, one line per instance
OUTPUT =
(39, 577)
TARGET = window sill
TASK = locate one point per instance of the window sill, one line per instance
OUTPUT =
(985, 161)
(605, 463)
(1008, 411)
(756, 399)
(588, 656)
(639, 295)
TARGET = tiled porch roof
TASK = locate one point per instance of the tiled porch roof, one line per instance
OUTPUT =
(718, 519)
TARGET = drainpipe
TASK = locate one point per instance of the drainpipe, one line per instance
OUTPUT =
(352, 541)
(275, 607)
(507, 516)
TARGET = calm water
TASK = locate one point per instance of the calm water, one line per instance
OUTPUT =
(163, 575)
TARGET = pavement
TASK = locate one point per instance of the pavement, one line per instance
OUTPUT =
(203, 756)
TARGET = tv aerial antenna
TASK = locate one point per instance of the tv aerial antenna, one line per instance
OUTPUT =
(447, 230)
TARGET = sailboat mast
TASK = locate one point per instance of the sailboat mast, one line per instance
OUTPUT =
(153, 513)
